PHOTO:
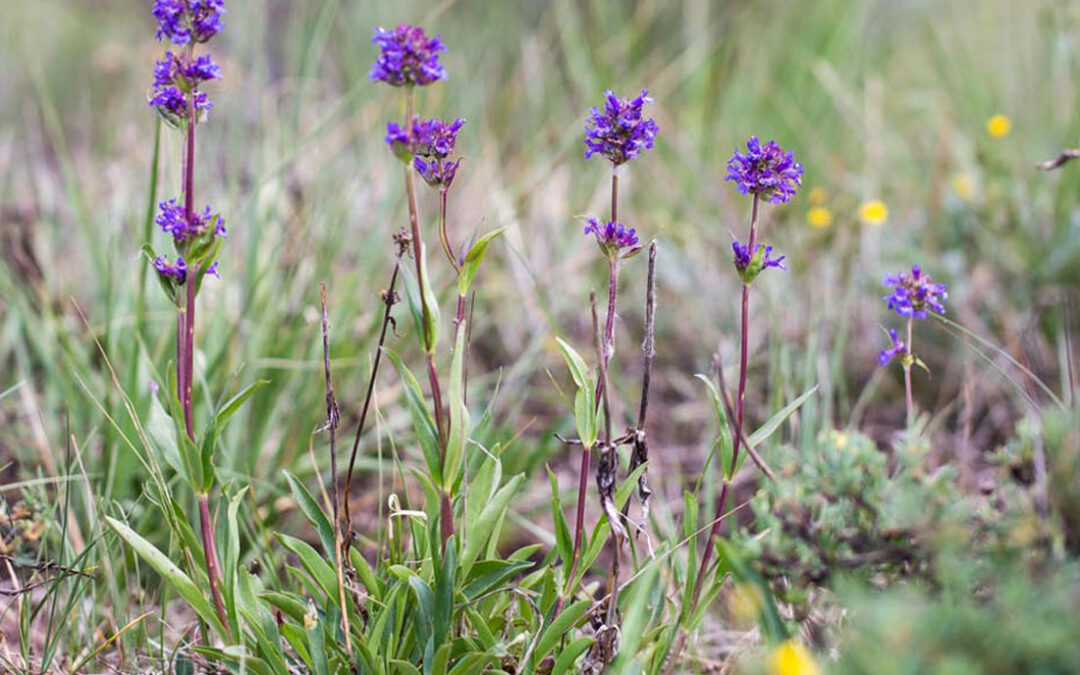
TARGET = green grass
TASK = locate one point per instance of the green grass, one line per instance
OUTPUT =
(878, 99)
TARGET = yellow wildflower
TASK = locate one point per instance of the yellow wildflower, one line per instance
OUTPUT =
(999, 126)
(841, 440)
(963, 186)
(819, 216)
(818, 196)
(873, 212)
(791, 658)
(747, 601)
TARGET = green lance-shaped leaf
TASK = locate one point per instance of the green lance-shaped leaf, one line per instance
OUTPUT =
(459, 415)
(473, 259)
(585, 410)
(490, 515)
(774, 422)
(423, 423)
(314, 514)
(168, 570)
(723, 438)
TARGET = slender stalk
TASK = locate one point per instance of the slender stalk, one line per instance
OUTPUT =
(444, 237)
(445, 509)
(579, 522)
(389, 299)
(185, 357)
(213, 568)
(909, 395)
(740, 407)
(607, 350)
(332, 419)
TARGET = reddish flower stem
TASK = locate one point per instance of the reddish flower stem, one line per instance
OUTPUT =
(185, 347)
(740, 406)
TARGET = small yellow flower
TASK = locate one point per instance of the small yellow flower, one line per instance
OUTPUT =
(873, 212)
(819, 216)
(791, 658)
(963, 186)
(818, 196)
(999, 126)
(746, 602)
(841, 440)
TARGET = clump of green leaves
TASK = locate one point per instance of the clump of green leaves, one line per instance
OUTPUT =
(844, 507)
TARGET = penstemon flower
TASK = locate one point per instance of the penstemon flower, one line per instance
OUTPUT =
(619, 132)
(614, 239)
(765, 171)
(407, 57)
(914, 295)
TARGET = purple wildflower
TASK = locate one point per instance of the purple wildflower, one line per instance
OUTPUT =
(407, 57)
(173, 102)
(766, 171)
(614, 239)
(437, 172)
(399, 141)
(435, 138)
(914, 295)
(173, 221)
(213, 270)
(743, 257)
(177, 272)
(618, 132)
(898, 348)
(179, 70)
(182, 21)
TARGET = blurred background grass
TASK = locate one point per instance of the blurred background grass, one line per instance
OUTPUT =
(879, 100)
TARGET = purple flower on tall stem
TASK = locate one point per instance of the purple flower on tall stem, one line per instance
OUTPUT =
(407, 57)
(619, 132)
(914, 295)
(898, 348)
(765, 171)
(176, 96)
(768, 174)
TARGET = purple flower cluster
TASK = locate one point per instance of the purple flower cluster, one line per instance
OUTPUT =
(915, 295)
(174, 221)
(176, 76)
(615, 240)
(181, 21)
(407, 57)
(618, 132)
(433, 139)
(175, 271)
(743, 257)
(766, 171)
(898, 348)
